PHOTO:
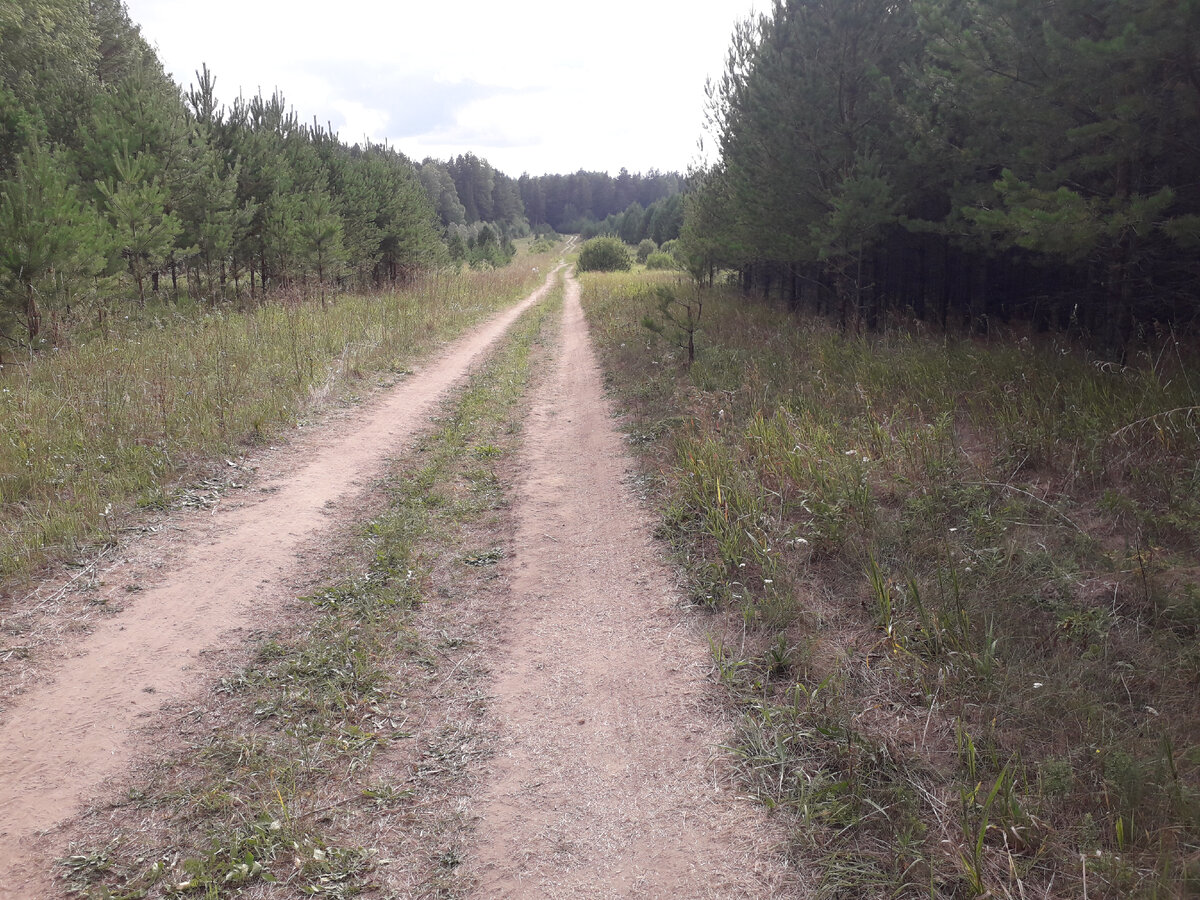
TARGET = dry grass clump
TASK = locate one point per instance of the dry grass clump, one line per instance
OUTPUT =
(953, 586)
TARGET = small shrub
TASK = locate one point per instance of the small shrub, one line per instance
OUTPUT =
(660, 260)
(645, 248)
(604, 254)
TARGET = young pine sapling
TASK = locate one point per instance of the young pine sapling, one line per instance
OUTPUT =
(679, 319)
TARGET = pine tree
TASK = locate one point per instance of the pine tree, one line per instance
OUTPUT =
(49, 53)
(1088, 114)
(802, 116)
(319, 234)
(439, 185)
(143, 232)
(48, 239)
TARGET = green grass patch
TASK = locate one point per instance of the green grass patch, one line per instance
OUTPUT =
(274, 792)
(952, 588)
(93, 430)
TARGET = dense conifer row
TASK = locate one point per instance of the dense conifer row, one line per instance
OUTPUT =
(629, 206)
(110, 175)
(964, 161)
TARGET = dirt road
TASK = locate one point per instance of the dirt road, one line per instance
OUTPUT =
(604, 782)
(61, 739)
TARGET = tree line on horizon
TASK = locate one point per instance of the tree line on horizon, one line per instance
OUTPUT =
(466, 191)
(961, 161)
(113, 179)
(631, 206)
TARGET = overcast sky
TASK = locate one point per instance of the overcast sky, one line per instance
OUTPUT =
(531, 87)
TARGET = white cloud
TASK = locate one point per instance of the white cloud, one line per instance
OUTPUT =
(357, 121)
(531, 87)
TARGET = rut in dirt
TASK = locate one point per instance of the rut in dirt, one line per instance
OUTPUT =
(607, 779)
(63, 738)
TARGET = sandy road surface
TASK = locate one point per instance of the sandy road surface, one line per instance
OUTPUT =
(60, 740)
(604, 782)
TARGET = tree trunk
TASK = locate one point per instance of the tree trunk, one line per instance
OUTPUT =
(860, 311)
(843, 292)
(979, 297)
(1117, 317)
(33, 317)
(944, 312)
(922, 284)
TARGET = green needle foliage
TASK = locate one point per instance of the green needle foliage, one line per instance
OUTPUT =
(678, 319)
(47, 240)
(143, 232)
(186, 197)
(961, 162)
